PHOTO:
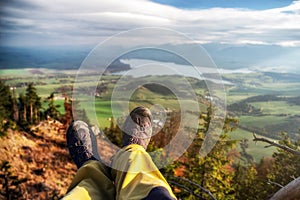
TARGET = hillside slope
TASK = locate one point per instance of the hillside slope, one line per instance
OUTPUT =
(40, 156)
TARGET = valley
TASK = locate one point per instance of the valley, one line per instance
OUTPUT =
(264, 103)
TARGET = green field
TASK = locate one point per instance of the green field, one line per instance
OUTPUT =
(256, 149)
(277, 108)
(275, 117)
(14, 72)
(254, 84)
(261, 121)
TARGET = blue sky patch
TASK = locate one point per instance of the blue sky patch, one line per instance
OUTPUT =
(202, 4)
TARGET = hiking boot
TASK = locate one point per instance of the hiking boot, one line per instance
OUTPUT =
(81, 143)
(137, 128)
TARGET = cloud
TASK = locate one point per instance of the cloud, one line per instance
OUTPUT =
(32, 22)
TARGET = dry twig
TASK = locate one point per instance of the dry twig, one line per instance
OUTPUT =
(286, 148)
(195, 184)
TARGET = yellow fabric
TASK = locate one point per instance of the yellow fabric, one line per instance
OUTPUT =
(135, 174)
(78, 193)
(91, 182)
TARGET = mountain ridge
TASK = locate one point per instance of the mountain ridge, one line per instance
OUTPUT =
(268, 57)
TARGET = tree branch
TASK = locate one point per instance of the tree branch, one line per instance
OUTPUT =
(286, 148)
(197, 185)
(289, 192)
(186, 189)
(274, 183)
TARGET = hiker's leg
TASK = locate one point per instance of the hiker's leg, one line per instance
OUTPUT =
(92, 181)
(159, 193)
(137, 177)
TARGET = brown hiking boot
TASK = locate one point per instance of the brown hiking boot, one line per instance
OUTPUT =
(137, 128)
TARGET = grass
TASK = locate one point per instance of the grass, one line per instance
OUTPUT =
(290, 89)
(261, 121)
(257, 84)
(43, 91)
(256, 149)
(13, 72)
(103, 112)
(234, 97)
(277, 108)
(103, 108)
(59, 102)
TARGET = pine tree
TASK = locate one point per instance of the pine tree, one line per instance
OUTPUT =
(113, 133)
(5, 101)
(22, 109)
(15, 107)
(52, 110)
(67, 117)
(34, 103)
(212, 174)
(79, 113)
(248, 184)
(6, 112)
(263, 180)
(286, 166)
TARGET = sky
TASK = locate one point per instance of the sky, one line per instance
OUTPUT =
(64, 22)
(201, 4)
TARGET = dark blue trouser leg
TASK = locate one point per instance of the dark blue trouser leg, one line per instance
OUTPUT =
(159, 193)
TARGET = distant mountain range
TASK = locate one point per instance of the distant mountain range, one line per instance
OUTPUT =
(52, 57)
(262, 57)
